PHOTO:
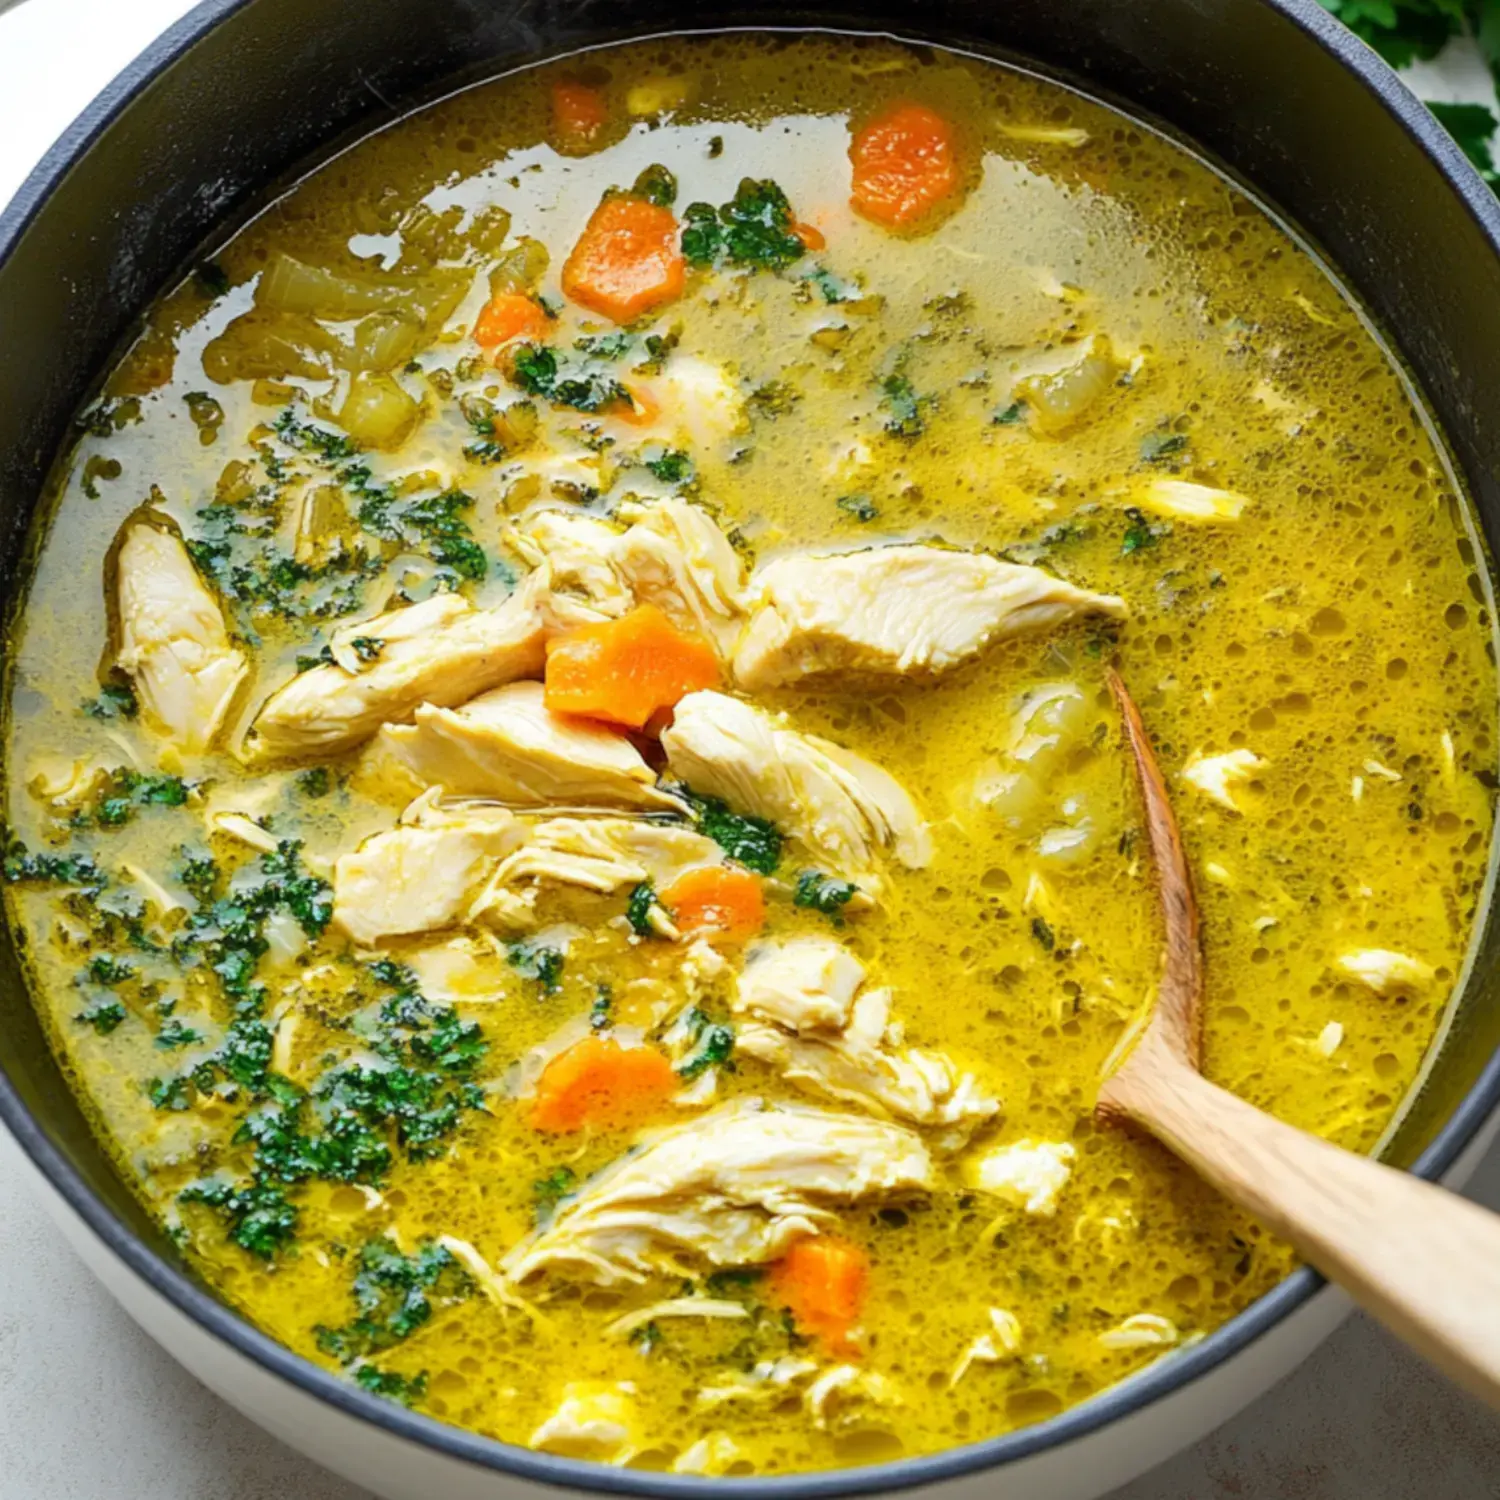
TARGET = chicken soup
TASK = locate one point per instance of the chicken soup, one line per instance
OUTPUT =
(564, 808)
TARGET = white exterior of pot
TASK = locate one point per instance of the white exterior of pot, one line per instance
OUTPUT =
(398, 1468)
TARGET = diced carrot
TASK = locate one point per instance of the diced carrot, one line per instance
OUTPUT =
(810, 235)
(599, 1083)
(626, 260)
(506, 317)
(719, 899)
(624, 670)
(903, 164)
(578, 115)
(824, 1282)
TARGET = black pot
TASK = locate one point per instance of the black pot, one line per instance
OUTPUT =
(242, 92)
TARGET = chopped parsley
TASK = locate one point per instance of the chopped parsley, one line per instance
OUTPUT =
(566, 382)
(1139, 533)
(103, 1017)
(643, 901)
(539, 962)
(859, 507)
(547, 1192)
(116, 700)
(1041, 930)
(390, 1385)
(753, 231)
(434, 523)
(671, 466)
(258, 1216)
(715, 1044)
(906, 411)
(754, 842)
(22, 867)
(1162, 446)
(1008, 416)
(825, 893)
(395, 1295)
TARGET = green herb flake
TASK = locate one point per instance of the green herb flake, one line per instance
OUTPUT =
(754, 842)
(1041, 930)
(825, 893)
(859, 507)
(539, 962)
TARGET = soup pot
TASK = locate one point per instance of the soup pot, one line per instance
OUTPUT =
(241, 92)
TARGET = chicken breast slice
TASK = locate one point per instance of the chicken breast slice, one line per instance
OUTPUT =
(734, 1187)
(906, 609)
(173, 641)
(508, 746)
(844, 809)
(422, 876)
(671, 554)
(806, 1016)
(592, 854)
(440, 652)
(595, 1419)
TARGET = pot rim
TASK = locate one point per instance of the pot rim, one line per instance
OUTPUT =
(1152, 1384)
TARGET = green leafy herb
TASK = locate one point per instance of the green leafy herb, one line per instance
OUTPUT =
(833, 288)
(602, 1008)
(564, 382)
(317, 781)
(643, 901)
(754, 842)
(753, 230)
(1160, 446)
(1041, 930)
(367, 647)
(21, 867)
(672, 466)
(605, 345)
(396, 1295)
(390, 1385)
(1139, 533)
(715, 1044)
(306, 437)
(549, 1191)
(906, 410)
(259, 1217)
(172, 1033)
(824, 893)
(539, 962)
(103, 1017)
(859, 507)
(1008, 416)
(116, 700)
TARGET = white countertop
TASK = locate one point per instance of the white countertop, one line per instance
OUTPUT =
(91, 1409)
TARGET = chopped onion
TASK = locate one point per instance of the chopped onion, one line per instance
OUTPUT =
(377, 413)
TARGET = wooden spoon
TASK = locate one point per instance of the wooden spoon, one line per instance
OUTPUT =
(1422, 1260)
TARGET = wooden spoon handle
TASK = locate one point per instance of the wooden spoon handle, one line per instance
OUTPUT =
(1421, 1259)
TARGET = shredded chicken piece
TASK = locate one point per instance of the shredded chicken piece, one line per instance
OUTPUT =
(902, 609)
(595, 854)
(1141, 1331)
(767, 1381)
(799, 998)
(1386, 972)
(595, 1419)
(672, 555)
(1029, 1174)
(714, 1453)
(845, 1384)
(843, 808)
(507, 746)
(422, 876)
(173, 641)
(1218, 776)
(1192, 502)
(677, 1307)
(437, 653)
(1003, 1338)
(734, 1187)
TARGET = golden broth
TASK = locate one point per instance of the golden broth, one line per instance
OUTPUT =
(1339, 629)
